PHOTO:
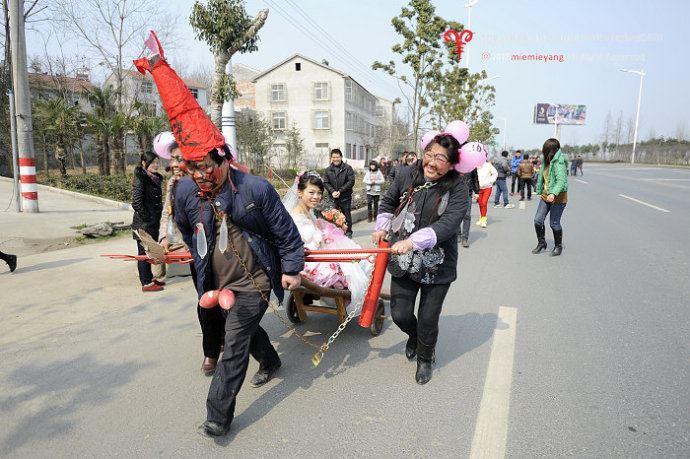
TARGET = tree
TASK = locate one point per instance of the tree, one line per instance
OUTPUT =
(145, 129)
(227, 29)
(255, 140)
(606, 135)
(294, 145)
(61, 124)
(99, 122)
(420, 49)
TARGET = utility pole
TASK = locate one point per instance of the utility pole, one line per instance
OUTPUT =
(228, 124)
(25, 140)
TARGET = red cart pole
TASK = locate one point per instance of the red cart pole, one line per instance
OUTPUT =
(372, 297)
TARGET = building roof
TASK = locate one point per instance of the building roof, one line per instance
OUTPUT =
(190, 82)
(59, 82)
(243, 72)
(301, 56)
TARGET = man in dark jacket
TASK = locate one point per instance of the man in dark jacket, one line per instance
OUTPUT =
(503, 169)
(264, 253)
(339, 180)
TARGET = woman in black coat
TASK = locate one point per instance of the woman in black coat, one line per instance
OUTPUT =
(147, 202)
(420, 215)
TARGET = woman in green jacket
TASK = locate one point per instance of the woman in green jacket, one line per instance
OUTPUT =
(552, 188)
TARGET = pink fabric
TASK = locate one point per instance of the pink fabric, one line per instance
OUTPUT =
(424, 238)
(383, 222)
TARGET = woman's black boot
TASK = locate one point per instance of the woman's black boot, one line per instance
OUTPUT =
(426, 355)
(411, 348)
(541, 239)
(558, 242)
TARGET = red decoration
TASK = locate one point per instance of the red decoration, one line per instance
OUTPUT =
(460, 39)
(372, 296)
(194, 132)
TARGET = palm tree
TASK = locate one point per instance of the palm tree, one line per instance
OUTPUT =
(146, 128)
(99, 123)
(61, 124)
(119, 124)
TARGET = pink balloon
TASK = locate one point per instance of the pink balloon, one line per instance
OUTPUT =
(472, 155)
(459, 130)
(162, 144)
(427, 138)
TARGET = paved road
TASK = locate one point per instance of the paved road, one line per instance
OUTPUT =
(584, 355)
(52, 227)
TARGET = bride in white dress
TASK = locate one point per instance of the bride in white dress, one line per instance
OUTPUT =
(317, 234)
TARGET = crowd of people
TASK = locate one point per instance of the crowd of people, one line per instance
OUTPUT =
(244, 238)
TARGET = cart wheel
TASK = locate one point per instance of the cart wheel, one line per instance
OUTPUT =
(291, 310)
(379, 317)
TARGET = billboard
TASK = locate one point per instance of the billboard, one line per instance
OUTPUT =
(566, 113)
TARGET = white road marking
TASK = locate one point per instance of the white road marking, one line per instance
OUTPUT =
(667, 179)
(581, 181)
(491, 429)
(644, 203)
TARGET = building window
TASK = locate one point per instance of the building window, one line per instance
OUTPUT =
(146, 87)
(278, 92)
(278, 120)
(349, 125)
(379, 111)
(195, 92)
(361, 152)
(298, 66)
(322, 119)
(348, 150)
(348, 90)
(322, 149)
(321, 91)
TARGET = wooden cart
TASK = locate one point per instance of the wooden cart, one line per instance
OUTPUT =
(297, 311)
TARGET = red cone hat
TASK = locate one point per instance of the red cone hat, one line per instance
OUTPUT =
(194, 132)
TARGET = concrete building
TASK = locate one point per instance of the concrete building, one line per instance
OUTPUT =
(328, 106)
(136, 86)
(244, 81)
(73, 89)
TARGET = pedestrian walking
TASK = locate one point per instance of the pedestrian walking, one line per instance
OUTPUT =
(514, 164)
(339, 180)
(487, 176)
(147, 202)
(579, 161)
(552, 188)
(525, 172)
(373, 179)
(11, 260)
(241, 238)
(472, 179)
(573, 165)
(503, 169)
(431, 200)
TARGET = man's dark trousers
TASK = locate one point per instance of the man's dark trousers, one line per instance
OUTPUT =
(243, 336)
(345, 206)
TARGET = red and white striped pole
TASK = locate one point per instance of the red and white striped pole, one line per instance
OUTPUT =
(22, 97)
(27, 177)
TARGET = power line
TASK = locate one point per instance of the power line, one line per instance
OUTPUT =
(310, 34)
(344, 50)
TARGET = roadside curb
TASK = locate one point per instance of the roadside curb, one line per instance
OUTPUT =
(86, 197)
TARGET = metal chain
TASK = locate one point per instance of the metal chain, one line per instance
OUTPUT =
(426, 185)
(316, 359)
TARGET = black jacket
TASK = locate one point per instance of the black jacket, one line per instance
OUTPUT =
(147, 202)
(437, 265)
(341, 178)
(255, 207)
(472, 181)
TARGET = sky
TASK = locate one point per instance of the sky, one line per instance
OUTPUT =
(595, 39)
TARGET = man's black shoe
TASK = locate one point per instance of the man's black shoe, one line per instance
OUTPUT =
(12, 262)
(424, 371)
(411, 348)
(263, 376)
(213, 429)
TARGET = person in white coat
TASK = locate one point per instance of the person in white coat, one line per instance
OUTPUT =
(373, 179)
(487, 175)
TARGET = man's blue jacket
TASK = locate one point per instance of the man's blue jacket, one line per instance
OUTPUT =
(255, 207)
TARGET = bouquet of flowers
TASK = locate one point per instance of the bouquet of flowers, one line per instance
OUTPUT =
(333, 216)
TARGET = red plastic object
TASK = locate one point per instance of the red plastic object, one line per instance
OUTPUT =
(372, 297)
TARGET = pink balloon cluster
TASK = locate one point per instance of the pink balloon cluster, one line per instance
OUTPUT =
(472, 155)
(457, 129)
